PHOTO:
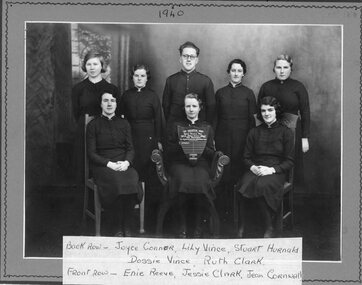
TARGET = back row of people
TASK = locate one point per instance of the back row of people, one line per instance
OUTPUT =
(231, 111)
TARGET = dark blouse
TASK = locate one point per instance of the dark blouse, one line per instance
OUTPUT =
(142, 105)
(182, 83)
(236, 103)
(109, 140)
(293, 97)
(270, 146)
(85, 97)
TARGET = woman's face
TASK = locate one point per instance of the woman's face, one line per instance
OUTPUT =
(108, 104)
(268, 113)
(140, 78)
(236, 73)
(282, 69)
(192, 108)
(93, 67)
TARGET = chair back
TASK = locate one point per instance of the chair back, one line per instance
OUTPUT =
(89, 184)
(87, 119)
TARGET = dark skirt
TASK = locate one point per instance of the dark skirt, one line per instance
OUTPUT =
(230, 138)
(269, 186)
(191, 179)
(144, 142)
(114, 183)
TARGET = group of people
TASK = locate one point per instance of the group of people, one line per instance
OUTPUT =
(127, 127)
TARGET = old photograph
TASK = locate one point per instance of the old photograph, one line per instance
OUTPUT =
(58, 81)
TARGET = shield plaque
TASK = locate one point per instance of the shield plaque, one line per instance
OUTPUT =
(193, 140)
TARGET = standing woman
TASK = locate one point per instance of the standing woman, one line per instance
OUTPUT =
(110, 151)
(293, 97)
(235, 116)
(142, 108)
(85, 100)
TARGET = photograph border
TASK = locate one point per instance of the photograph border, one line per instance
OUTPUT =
(158, 4)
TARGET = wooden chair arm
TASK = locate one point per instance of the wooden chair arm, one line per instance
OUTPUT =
(217, 167)
(157, 158)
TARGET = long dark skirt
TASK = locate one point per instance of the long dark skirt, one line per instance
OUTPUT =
(191, 179)
(230, 138)
(114, 183)
(144, 142)
(269, 186)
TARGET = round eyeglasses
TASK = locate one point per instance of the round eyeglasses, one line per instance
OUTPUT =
(189, 56)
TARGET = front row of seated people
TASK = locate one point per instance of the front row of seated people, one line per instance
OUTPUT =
(268, 156)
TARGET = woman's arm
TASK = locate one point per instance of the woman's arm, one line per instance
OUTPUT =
(173, 146)
(288, 154)
(209, 150)
(166, 100)
(128, 143)
(304, 109)
(252, 109)
(157, 114)
(210, 101)
(249, 149)
(91, 136)
(217, 110)
(121, 107)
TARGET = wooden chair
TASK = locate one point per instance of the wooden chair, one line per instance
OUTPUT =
(285, 211)
(90, 188)
(217, 168)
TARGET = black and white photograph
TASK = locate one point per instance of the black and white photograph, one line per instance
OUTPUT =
(148, 72)
(180, 129)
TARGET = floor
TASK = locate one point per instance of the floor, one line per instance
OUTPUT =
(56, 211)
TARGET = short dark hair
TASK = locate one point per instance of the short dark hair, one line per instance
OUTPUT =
(189, 45)
(109, 91)
(194, 96)
(94, 54)
(271, 101)
(237, 61)
(140, 66)
(285, 57)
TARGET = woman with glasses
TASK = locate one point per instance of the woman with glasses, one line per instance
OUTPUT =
(235, 116)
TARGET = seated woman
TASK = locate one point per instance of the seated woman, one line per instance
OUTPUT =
(269, 156)
(110, 151)
(189, 170)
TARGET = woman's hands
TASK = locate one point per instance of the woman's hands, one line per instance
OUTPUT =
(159, 145)
(305, 145)
(119, 165)
(261, 170)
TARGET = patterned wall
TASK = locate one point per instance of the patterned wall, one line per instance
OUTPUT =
(49, 124)
(40, 87)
